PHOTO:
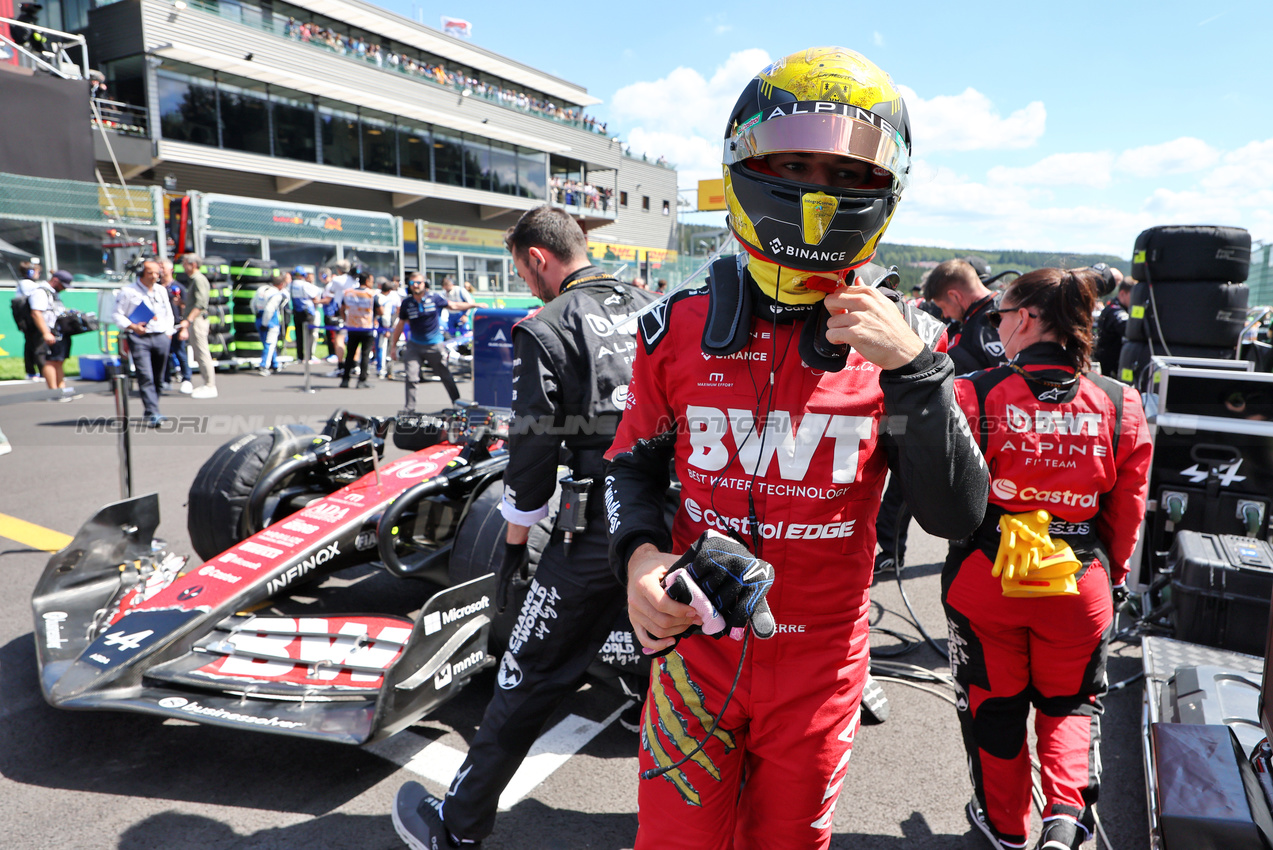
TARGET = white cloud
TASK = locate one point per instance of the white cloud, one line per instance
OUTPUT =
(682, 115)
(877, 38)
(1019, 208)
(969, 121)
(1178, 156)
(1248, 168)
(686, 101)
(1090, 170)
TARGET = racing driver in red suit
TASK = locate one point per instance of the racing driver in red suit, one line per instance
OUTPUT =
(1028, 597)
(782, 408)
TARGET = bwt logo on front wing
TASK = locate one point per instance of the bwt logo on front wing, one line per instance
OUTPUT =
(715, 433)
(770, 530)
(1004, 488)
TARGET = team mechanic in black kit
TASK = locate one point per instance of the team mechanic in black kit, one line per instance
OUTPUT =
(571, 369)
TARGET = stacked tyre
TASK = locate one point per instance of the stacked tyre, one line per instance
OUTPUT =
(217, 271)
(1190, 299)
(248, 276)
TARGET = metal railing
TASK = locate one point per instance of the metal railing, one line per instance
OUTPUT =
(371, 54)
(120, 117)
(52, 56)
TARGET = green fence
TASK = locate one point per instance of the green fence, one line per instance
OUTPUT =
(1260, 280)
(86, 301)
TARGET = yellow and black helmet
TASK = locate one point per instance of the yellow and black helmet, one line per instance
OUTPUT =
(824, 100)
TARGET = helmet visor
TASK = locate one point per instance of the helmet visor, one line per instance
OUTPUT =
(872, 141)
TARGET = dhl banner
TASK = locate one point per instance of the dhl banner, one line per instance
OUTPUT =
(630, 253)
(711, 195)
(484, 239)
(460, 237)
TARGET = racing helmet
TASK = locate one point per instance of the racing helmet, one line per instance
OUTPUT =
(824, 100)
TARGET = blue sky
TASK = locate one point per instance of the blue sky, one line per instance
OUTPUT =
(1067, 127)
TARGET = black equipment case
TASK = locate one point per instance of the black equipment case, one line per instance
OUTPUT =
(1221, 589)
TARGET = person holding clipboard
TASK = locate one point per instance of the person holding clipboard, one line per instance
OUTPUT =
(143, 314)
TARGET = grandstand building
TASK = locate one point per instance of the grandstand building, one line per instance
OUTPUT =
(301, 128)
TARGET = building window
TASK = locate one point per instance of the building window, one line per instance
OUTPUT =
(379, 147)
(340, 138)
(448, 158)
(667, 208)
(532, 174)
(188, 109)
(414, 149)
(245, 120)
(623, 199)
(477, 163)
(503, 168)
(645, 203)
(294, 128)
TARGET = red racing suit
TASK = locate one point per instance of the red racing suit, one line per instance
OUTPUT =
(1079, 448)
(805, 451)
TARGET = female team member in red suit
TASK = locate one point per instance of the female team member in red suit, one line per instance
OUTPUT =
(1029, 597)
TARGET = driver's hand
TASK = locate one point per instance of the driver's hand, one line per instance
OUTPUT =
(868, 321)
(656, 617)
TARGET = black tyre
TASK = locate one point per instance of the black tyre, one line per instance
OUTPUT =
(1135, 356)
(220, 293)
(479, 549)
(219, 494)
(252, 272)
(219, 346)
(1208, 313)
(215, 269)
(1192, 252)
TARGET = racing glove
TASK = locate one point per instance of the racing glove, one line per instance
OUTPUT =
(734, 581)
(515, 562)
(1121, 596)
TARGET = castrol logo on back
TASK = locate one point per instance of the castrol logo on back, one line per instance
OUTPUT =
(1006, 489)
(1002, 488)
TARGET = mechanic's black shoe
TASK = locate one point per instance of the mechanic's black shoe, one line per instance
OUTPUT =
(363, 385)
(417, 818)
(1061, 834)
(977, 817)
(344, 385)
(632, 716)
(885, 562)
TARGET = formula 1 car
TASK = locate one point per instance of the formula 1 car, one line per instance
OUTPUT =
(301, 535)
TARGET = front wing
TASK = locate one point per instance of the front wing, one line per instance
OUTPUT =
(346, 678)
